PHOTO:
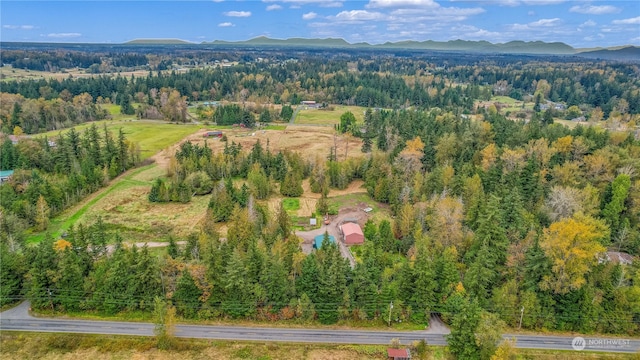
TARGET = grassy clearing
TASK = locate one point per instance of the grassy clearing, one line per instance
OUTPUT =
(378, 213)
(505, 100)
(64, 221)
(113, 109)
(125, 207)
(276, 127)
(291, 204)
(152, 136)
(16, 345)
(328, 117)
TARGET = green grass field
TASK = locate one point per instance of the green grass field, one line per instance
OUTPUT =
(152, 136)
(328, 117)
(123, 206)
(291, 204)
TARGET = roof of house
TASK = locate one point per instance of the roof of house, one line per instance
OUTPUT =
(398, 353)
(351, 228)
(6, 173)
(318, 240)
(619, 257)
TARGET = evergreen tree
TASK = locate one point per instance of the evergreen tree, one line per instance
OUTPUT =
(462, 340)
(292, 185)
(69, 286)
(307, 282)
(274, 281)
(12, 269)
(172, 249)
(187, 296)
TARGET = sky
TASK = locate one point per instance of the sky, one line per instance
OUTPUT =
(579, 23)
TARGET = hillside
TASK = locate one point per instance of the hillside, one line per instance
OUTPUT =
(624, 53)
(516, 47)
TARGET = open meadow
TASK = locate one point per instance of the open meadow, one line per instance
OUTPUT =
(151, 135)
(330, 116)
(8, 73)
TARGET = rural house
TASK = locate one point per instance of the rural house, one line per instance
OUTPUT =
(352, 233)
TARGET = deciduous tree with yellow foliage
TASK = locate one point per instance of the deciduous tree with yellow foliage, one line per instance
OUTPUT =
(573, 246)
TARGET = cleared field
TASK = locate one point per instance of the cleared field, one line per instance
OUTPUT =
(8, 73)
(309, 141)
(124, 206)
(328, 117)
(152, 136)
(128, 210)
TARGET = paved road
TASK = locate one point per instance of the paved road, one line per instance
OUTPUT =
(17, 319)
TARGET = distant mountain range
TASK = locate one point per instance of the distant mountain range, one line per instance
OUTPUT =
(511, 47)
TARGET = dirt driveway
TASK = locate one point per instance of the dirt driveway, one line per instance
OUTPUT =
(348, 214)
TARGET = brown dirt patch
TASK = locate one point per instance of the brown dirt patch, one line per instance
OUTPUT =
(310, 141)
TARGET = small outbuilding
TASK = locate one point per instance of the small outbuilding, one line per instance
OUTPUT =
(398, 354)
(217, 134)
(317, 241)
(352, 233)
(5, 175)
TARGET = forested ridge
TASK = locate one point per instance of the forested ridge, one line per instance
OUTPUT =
(494, 221)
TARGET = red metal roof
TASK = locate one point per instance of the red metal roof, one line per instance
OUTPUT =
(397, 353)
(351, 228)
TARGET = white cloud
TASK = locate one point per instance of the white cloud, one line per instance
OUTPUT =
(543, 2)
(545, 22)
(588, 23)
(309, 16)
(217, 1)
(225, 24)
(358, 16)
(520, 2)
(63, 35)
(630, 21)
(438, 12)
(274, 7)
(296, 4)
(542, 23)
(238, 13)
(401, 3)
(594, 9)
(19, 27)
(594, 37)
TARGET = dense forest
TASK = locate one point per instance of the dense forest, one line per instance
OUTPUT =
(495, 222)
(597, 90)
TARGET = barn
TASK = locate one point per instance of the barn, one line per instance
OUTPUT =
(352, 233)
